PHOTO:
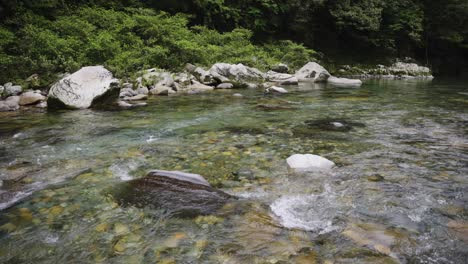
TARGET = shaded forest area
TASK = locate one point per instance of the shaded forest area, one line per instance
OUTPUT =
(50, 36)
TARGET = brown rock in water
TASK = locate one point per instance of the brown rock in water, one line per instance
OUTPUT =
(177, 193)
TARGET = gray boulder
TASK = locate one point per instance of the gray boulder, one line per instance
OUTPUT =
(344, 82)
(92, 86)
(225, 86)
(276, 89)
(127, 92)
(282, 78)
(1, 90)
(137, 97)
(29, 98)
(142, 90)
(11, 89)
(161, 90)
(280, 68)
(235, 73)
(178, 194)
(197, 87)
(10, 104)
(312, 71)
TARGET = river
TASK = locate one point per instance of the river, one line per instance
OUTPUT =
(397, 195)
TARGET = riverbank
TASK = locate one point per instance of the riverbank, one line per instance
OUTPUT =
(194, 80)
(395, 195)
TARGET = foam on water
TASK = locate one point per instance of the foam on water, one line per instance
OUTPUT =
(307, 212)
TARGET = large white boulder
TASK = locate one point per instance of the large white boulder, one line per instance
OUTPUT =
(309, 162)
(85, 88)
(239, 73)
(345, 82)
(312, 71)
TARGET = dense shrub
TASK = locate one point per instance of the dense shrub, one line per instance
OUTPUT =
(127, 41)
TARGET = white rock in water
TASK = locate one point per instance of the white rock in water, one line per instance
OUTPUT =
(80, 89)
(344, 82)
(276, 89)
(314, 72)
(181, 176)
(225, 86)
(309, 162)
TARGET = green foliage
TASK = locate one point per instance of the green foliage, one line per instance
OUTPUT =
(128, 41)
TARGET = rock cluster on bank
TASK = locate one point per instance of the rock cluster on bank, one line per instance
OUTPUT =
(13, 98)
(95, 86)
(398, 70)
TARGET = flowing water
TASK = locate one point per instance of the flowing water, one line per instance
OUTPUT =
(397, 195)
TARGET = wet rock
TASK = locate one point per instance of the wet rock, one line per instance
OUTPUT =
(225, 86)
(245, 173)
(459, 228)
(127, 92)
(237, 95)
(312, 71)
(30, 98)
(161, 90)
(375, 237)
(89, 87)
(276, 90)
(332, 125)
(344, 82)
(41, 105)
(137, 97)
(200, 74)
(10, 104)
(178, 193)
(235, 73)
(197, 87)
(10, 89)
(375, 178)
(280, 68)
(307, 162)
(142, 90)
(282, 78)
(273, 107)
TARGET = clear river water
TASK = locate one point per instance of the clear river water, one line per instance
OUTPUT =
(399, 192)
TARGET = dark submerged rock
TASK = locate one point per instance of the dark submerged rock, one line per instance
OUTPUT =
(178, 194)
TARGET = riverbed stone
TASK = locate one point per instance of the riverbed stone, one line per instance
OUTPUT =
(197, 87)
(127, 92)
(225, 86)
(312, 71)
(142, 90)
(308, 162)
(280, 68)
(13, 102)
(161, 90)
(30, 98)
(375, 236)
(89, 87)
(180, 194)
(235, 73)
(137, 97)
(10, 89)
(344, 82)
(282, 78)
(276, 90)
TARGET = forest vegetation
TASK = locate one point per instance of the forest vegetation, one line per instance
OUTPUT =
(47, 37)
